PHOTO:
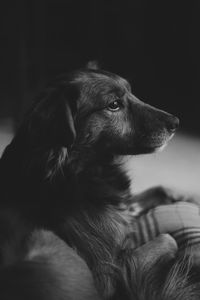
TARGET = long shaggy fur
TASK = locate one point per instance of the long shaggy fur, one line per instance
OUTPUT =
(59, 174)
(166, 281)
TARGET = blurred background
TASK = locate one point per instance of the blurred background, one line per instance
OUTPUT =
(155, 44)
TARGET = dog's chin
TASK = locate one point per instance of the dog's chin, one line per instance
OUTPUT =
(160, 148)
(153, 145)
(147, 146)
(159, 144)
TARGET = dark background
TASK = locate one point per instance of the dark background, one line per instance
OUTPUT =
(155, 44)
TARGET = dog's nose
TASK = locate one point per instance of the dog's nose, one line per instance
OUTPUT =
(173, 123)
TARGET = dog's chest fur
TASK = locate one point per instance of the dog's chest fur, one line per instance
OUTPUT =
(102, 219)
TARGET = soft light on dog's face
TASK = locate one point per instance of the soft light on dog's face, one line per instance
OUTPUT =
(95, 110)
(111, 117)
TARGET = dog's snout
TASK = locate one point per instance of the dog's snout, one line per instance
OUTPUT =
(172, 123)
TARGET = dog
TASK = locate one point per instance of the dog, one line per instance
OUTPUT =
(59, 174)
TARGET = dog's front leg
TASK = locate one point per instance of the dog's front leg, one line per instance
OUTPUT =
(140, 266)
(126, 280)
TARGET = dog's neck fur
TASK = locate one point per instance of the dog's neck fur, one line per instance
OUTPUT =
(102, 175)
(105, 195)
(100, 180)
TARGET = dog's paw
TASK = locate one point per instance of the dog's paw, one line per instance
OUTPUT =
(164, 195)
(156, 196)
(161, 195)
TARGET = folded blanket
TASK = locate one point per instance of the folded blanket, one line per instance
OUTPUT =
(181, 220)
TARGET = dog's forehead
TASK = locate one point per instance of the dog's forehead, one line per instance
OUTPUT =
(97, 88)
(103, 82)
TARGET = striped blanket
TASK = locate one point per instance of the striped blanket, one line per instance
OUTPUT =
(181, 220)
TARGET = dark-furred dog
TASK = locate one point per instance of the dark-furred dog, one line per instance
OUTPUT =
(59, 174)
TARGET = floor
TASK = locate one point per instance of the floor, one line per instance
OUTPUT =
(177, 166)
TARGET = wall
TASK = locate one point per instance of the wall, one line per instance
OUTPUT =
(155, 44)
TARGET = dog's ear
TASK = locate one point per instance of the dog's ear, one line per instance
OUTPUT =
(51, 121)
(93, 65)
(51, 128)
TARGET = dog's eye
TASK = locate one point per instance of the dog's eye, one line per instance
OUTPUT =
(114, 106)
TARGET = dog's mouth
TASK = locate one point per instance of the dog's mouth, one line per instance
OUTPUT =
(145, 144)
(161, 147)
(155, 143)
(154, 128)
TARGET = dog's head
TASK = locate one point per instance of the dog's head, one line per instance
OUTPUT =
(96, 109)
(112, 119)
